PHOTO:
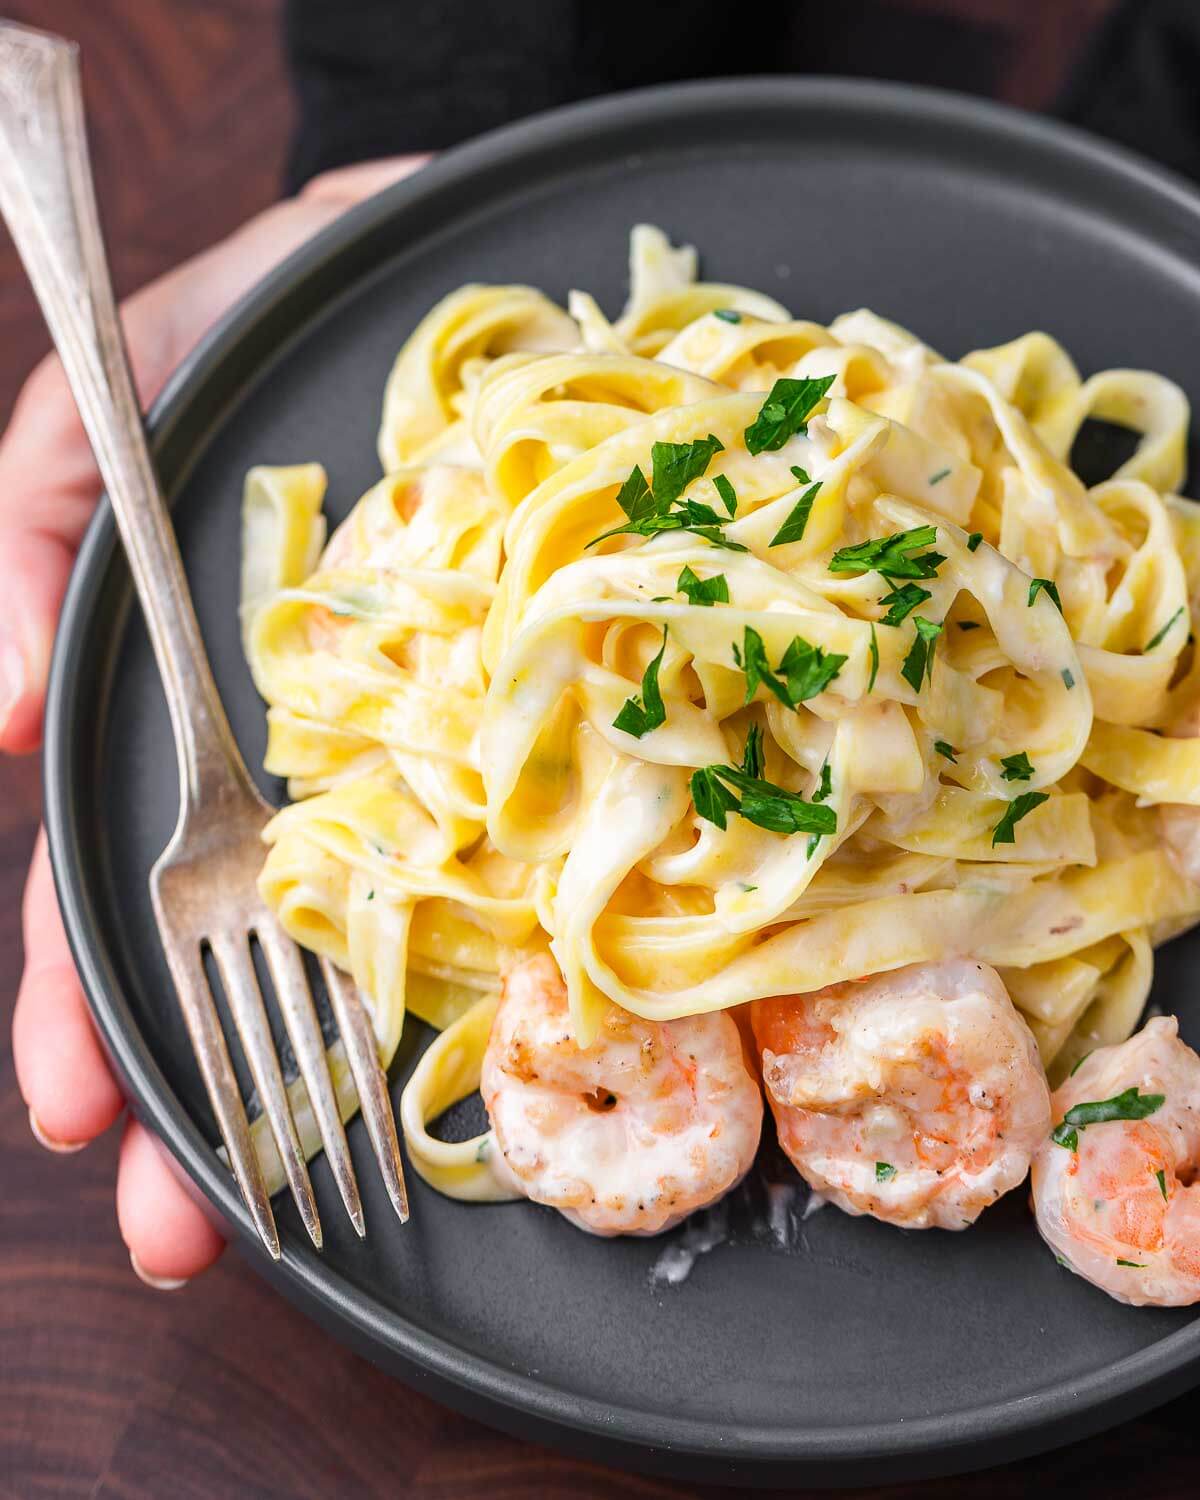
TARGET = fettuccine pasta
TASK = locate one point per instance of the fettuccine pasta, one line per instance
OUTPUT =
(726, 655)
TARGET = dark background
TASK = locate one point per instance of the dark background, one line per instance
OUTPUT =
(109, 1389)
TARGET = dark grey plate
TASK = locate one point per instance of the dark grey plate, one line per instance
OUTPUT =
(861, 1352)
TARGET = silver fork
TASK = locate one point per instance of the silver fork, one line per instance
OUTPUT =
(203, 885)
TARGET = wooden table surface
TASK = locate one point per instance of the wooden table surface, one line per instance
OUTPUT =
(110, 1389)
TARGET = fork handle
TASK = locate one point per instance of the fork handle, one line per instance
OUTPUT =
(49, 201)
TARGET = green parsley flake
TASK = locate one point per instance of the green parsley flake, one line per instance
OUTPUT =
(918, 664)
(752, 755)
(902, 602)
(1138, 1265)
(705, 591)
(939, 476)
(807, 670)
(1127, 1105)
(727, 493)
(974, 540)
(874, 649)
(1068, 679)
(1017, 767)
(675, 465)
(636, 719)
(727, 315)
(793, 528)
(802, 475)
(884, 1171)
(1020, 807)
(1162, 1183)
(655, 507)
(825, 789)
(1158, 638)
(762, 802)
(1037, 585)
(948, 751)
(891, 555)
(785, 412)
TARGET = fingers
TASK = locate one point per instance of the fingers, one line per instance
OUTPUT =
(168, 1237)
(62, 1072)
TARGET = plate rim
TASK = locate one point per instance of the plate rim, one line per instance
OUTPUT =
(1028, 1423)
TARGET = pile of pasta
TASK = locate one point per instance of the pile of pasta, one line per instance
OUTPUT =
(729, 655)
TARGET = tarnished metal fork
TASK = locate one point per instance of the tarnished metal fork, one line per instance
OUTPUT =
(204, 883)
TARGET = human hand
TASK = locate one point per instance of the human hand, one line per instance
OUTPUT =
(49, 488)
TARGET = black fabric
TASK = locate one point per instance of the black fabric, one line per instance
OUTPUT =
(377, 77)
(1139, 82)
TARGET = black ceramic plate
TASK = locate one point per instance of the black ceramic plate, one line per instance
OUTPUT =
(859, 1352)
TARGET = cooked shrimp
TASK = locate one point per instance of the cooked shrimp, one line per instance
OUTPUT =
(1116, 1202)
(650, 1122)
(916, 1096)
(1179, 821)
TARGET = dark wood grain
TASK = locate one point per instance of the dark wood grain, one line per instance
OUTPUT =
(106, 1388)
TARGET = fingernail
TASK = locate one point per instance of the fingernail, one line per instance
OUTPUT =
(63, 1148)
(12, 680)
(158, 1283)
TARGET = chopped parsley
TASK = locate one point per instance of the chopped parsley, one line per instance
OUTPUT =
(1068, 678)
(675, 465)
(727, 315)
(918, 664)
(874, 649)
(802, 475)
(654, 507)
(762, 802)
(484, 1149)
(891, 555)
(1159, 636)
(948, 751)
(1162, 1183)
(806, 670)
(714, 590)
(1038, 584)
(825, 789)
(939, 476)
(883, 1171)
(1138, 1265)
(786, 411)
(370, 895)
(1020, 807)
(752, 754)
(727, 493)
(974, 540)
(793, 528)
(1128, 1105)
(1017, 767)
(902, 602)
(637, 718)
